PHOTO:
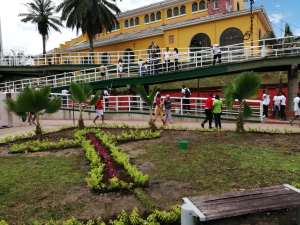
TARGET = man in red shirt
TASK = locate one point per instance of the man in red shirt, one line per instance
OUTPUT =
(99, 110)
(208, 111)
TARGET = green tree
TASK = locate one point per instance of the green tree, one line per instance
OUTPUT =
(41, 14)
(91, 16)
(80, 93)
(37, 102)
(245, 85)
(148, 100)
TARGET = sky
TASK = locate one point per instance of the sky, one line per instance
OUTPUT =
(24, 36)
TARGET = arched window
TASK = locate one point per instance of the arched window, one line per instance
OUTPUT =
(126, 23)
(118, 25)
(158, 16)
(131, 22)
(182, 10)
(238, 6)
(200, 40)
(176, 11)
(137, 21)
(232, 36)
(169, 13)
(105, 58)
(202, 5)
(195, 7)
(146, 18)
(113, 27)
(152, 17)
(150, 53)
(128, 56)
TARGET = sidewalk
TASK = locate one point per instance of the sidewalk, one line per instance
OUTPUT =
(51, 125)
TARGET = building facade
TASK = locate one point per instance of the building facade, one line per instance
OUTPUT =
(175, 24)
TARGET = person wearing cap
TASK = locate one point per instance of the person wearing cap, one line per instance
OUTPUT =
(106, 97)
(140, 63)
(168, 106)
(217, 109)
(216, 51)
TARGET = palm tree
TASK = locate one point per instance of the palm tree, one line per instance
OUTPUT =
(246, 85)
(91, 16)
(80, 93)
(148, 100)
(41, 13)
(37, 102)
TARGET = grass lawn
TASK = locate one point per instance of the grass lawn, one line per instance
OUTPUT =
(27, 181)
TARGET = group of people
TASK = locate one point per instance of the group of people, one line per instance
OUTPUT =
(279, 101)
(213, 109)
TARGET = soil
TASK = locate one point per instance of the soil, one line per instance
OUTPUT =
(164, 191)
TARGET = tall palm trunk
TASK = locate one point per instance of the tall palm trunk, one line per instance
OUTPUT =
(91, 47)
(80, 119)
(38, 130)
(240, 122)
(44, 44)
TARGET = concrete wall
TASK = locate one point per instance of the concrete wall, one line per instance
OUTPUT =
(8, 118)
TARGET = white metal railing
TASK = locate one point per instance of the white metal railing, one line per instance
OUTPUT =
(187, 60)
(196, 106)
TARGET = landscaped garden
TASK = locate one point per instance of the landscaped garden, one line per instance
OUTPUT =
(125, 175)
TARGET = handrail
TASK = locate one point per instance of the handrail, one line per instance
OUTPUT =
(134, 103)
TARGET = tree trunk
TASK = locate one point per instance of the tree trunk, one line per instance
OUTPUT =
(240, 122)
(44, 44)
(38, 130)
(151, 122)
(80, 119)
(91, 47)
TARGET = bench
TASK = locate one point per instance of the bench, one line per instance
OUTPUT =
(238, 203)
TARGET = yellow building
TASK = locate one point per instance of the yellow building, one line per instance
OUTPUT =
(174, 24)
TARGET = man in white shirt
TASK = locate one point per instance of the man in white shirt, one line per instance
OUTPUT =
(186, 101)
(296, 108)
(276, 101)
(216, 51)
(167, 56)
(64, 97)
(140, 63)
(37, 88)
(106, 97)
(266, 102)
(11, 90)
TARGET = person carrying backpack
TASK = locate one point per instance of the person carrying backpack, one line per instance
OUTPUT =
(186, 94)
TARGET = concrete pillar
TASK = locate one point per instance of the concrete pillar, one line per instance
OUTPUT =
(8, 118)
(293, 86)
(187, 217)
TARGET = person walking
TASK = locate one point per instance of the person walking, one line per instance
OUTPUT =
(99, 110)
(208, 111)
(37, 88)
(167, 56)
(140, 64)
(176, 58)
(216, 51)
(282, 106)
(31, 118)
(266, 102)
(64, 93)
(155, 63)
(106, 97)
(120, 65)
(102, 70)
(296, 108)
(168, 106)
(158, 109)
(217, 109)
(186, 94)
(276, 101)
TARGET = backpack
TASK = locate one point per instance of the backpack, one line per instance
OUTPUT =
(187, 93)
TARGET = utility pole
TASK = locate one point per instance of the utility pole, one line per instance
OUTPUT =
(251, 26)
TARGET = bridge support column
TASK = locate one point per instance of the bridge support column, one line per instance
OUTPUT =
(132, 89)
(8, 118)
(293, 87)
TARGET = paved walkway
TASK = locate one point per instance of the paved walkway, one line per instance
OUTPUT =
(51, 125)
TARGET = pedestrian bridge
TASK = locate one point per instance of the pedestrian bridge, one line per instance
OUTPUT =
(256, 56)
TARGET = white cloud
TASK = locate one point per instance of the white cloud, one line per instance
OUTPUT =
(297, 32)
(18, 34)
(277, 6)
(276, 17)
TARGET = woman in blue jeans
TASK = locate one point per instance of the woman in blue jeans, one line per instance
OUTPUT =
(217, 109)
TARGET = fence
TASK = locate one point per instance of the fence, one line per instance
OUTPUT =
(129, 103)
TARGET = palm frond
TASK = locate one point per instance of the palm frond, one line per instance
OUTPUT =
(152, 94)
(54, 106)
(143, 95)
(94, 99)
(76, 93)
(247, 110)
